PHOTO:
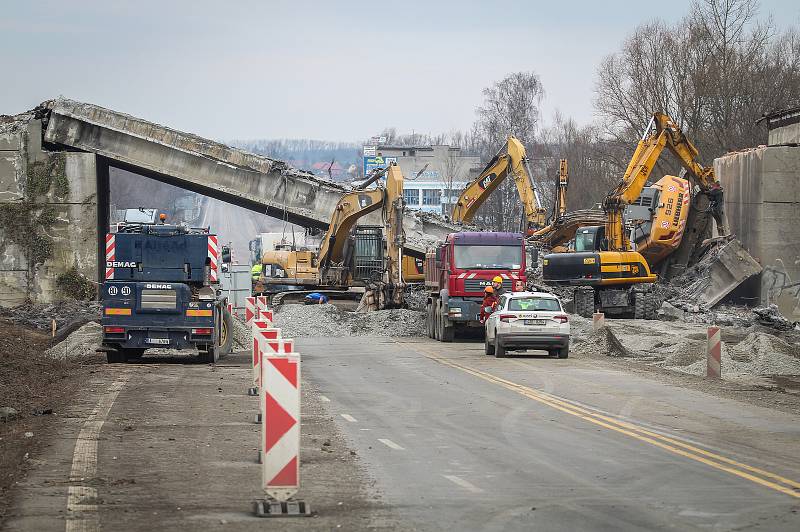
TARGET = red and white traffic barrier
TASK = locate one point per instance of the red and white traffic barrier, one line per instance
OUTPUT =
(598, 320)
(259, 332)
(714, 354)
(280, 404)
(262, 305)
(249, 309)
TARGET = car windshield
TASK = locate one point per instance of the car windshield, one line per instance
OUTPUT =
(534, 303)
(488, 257)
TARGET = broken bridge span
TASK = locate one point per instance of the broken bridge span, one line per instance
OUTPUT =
(69, 146)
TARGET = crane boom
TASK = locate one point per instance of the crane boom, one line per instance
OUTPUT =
(510, 160)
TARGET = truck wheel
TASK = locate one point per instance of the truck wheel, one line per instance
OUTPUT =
(584, 302)
(650, 306)
(209, 356)
(115, 357)
(429, 319)
(488, 347)
(446, 332)
(499, 350)
(132, 354)
(437, 324)
(226, 333)
(642, 305)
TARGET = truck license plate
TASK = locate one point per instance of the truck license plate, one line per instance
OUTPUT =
(534, 322)
(163, 341)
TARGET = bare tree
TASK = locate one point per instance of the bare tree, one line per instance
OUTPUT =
(715, 72)
(510, 106)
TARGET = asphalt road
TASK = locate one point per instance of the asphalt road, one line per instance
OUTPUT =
(415, 435)
(456, 440)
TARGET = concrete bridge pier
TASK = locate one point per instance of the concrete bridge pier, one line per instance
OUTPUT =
(48, 216)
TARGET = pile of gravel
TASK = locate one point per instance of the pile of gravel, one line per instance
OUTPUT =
(298, 321)
(40, 316)
(80, 343)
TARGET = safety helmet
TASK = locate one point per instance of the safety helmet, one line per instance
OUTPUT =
(497, 279)
(489, 290)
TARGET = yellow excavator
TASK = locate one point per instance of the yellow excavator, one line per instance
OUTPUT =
(510, 160)
(345, 260)
(609, 275)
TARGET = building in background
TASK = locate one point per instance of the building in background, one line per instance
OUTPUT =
(434, 175)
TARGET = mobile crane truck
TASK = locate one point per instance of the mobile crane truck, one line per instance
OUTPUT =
(161, 290)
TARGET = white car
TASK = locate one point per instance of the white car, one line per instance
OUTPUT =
(528, 320)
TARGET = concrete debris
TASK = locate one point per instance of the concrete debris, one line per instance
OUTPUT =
(748, 350)
(82, 342)
(722, 269)
(7, 413)
(416, 297)
(771, 317)
(669, 312)
(759, 354)
(40, 316)
(603, 341)
(299, 321)
(242, 336)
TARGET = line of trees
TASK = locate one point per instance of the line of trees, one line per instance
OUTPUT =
(715, 72)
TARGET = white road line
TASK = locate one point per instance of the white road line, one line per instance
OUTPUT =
(82, 500)
(324, 399)
(467, 485)
(349, 418)
(391, 444)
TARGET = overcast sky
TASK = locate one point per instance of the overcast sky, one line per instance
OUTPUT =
(325, 70)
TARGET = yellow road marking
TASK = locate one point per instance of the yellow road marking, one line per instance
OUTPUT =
(630, 429)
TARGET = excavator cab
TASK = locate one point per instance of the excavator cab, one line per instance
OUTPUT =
(591, 238)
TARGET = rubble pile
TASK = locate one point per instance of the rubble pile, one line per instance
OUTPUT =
(40, 316)
(770, 316)
(416, 297)
(80, 343)
(759, 354)
(298, 321)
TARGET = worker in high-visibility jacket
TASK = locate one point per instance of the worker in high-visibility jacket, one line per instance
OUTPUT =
(255, 271)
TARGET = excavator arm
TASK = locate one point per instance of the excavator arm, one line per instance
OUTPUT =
(511, 159)
(661, 132)
(353, 206)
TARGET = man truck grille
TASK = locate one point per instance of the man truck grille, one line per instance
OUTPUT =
(158, 299)
(478, 285)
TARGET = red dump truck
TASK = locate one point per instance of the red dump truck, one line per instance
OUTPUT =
(458, 270)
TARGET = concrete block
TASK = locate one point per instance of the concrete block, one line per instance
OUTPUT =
(780, 175)
(733, 265)
(13, 285)
(11, 176)
(10, 141)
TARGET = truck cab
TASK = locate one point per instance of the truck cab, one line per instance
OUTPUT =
(457, 272)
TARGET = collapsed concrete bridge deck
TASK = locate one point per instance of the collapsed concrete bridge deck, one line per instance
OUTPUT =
(54, 167)
(255, 182)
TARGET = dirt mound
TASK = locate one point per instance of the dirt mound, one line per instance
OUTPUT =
(602, 341)
(758, 354)
(40, 316)
(298, 321)
(80, 343)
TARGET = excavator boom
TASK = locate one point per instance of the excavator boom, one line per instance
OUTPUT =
(510, 160)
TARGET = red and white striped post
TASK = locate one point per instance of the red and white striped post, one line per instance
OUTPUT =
(111, 253)
(257, 328)
(598, 320)
(262, 305)
(249, 309)
(266, 341)
(280, 402)
(714, 354)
